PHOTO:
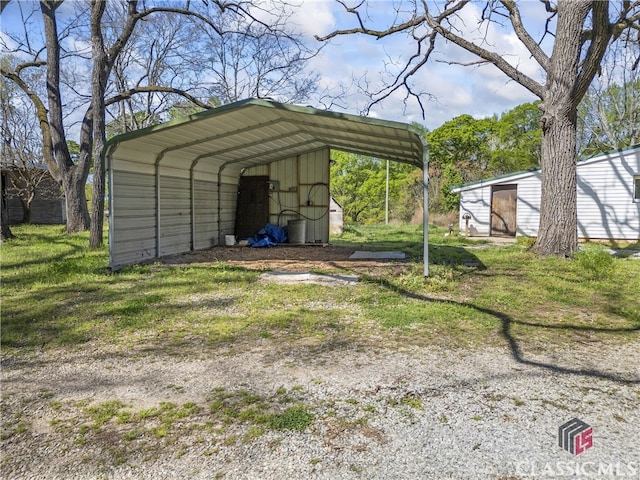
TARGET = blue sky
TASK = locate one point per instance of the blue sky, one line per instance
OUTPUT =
(455, 90)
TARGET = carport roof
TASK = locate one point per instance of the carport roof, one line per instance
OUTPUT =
(252, 132)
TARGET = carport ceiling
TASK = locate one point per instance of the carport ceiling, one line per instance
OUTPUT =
(252, 132)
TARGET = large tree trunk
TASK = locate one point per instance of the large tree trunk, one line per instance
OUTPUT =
(101, 68)
(73, 177)
(73, 184)
(558, 230)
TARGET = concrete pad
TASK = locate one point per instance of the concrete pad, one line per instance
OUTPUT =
(289, 278)
(362, 255)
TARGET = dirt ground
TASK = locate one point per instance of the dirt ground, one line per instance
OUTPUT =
(290, 258)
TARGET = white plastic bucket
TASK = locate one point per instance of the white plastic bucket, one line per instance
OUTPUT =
(229, 240)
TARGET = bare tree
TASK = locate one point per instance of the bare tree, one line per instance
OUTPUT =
(22, 156)
(109, 25)
(609, 114)
(253, 60)
(584, 29)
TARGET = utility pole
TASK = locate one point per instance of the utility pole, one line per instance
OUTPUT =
(386, 199)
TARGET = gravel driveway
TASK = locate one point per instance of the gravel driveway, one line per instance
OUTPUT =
(411, 413)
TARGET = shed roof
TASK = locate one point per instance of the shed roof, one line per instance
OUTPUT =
(512, 177)
(252, 132)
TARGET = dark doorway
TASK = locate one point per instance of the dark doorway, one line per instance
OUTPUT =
(503, 210)
(252, 211)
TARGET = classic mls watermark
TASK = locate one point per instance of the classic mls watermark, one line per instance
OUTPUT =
(596, 470)
(575, 436)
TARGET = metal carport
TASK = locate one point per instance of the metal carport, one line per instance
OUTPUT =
(172, 187)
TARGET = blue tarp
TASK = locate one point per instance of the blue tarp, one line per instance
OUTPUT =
(268, 236)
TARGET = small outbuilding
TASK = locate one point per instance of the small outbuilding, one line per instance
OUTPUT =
(608, 200)
(193, 183)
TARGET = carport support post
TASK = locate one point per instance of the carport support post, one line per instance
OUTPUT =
(425, 204)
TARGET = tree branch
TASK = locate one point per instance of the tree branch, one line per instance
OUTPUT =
(492, 57)
(523, 35)
(41, 112)
(155, 89)
(601, 34)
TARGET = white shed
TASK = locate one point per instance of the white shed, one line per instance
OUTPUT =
(187, 184)
(608, 200)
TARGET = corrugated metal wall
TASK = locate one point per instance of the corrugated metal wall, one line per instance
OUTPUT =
(302, 191)
(133, 238)
(196, 209)
(206, 214)
(175, 215)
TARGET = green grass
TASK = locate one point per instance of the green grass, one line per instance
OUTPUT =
(57, 293)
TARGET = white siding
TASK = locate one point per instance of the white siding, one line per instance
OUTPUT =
(528, 205)
(605, 198)
(476, 203)
(606, 209)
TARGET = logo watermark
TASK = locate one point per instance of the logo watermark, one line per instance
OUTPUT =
(575, 436)
(577, 469)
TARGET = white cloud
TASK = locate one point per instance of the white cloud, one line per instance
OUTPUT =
(479, 90)
(314, 17)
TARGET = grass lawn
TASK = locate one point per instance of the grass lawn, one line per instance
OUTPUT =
(58, 293)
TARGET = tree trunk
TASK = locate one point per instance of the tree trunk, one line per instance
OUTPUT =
(558, 230)
(5, 231)
(73, 184)
(100, 75)
(72, 176)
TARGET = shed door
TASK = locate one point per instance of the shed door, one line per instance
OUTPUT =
(503, 210)
(252, 211)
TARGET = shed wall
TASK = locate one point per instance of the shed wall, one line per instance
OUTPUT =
(133, 235)
(302, 192)
(605, 198)
(606, 209)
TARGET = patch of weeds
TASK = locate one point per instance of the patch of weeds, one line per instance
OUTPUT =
(477, 418)
(315, 461)
(619, 418)
(518, 402)
(253, 433)
(132, 435)
(230, 441)
(9, 429)
(244, 407)
(45, 394)
(595, 262)
(413, 402)
(295, 418)
(104, 412)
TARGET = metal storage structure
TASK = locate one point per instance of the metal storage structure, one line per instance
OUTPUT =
(173, 188)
